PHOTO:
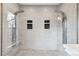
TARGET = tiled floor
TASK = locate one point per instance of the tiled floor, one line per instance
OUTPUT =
(72, 49)
(41, 53)
(69, 50)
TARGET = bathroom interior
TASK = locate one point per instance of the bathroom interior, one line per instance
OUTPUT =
(39, 29)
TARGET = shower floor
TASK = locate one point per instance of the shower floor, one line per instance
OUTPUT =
(41, 53)
(72, 49)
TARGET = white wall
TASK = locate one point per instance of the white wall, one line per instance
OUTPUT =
(6, 40)
(70, 11)
(38, 37)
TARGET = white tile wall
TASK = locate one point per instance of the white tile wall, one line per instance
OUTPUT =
(38, 37)
(70, 11)
(6, 41)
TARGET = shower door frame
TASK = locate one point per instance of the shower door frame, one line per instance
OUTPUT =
(64, 27)
(1, 29)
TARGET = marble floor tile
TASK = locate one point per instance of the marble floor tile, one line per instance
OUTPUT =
(41, 53)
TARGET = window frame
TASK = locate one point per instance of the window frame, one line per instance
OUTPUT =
(29, 24)
(46, 24)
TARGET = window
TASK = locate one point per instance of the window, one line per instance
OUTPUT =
(46, 24)
(46, 21)
(29, 21)
(12, 28)
(29, 24)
